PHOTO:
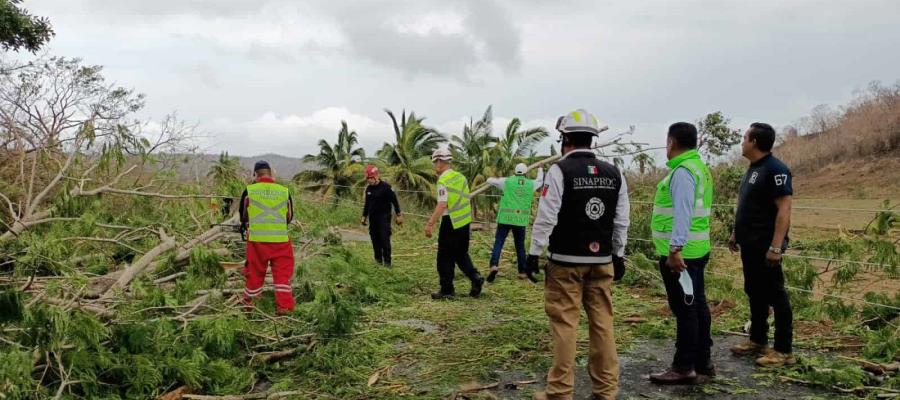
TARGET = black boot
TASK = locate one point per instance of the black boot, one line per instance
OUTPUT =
(492, 275)
(477, 284)
(441, 296)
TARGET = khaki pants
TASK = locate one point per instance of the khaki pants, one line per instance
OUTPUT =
(566, 288)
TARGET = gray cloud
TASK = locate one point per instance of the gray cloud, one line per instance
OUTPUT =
(488, 37)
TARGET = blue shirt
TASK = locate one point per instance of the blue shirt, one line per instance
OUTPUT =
(681, 188)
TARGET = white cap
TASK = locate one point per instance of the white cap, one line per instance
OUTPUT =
(580, 121)
(442, 154)
(521, 169)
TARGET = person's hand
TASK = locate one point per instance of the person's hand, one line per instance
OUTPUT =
(399, 220)
(428, 230)
(362, 220)
(675, 262)
(532, 267)
(618, 267)
(773, 258)
(732, 244)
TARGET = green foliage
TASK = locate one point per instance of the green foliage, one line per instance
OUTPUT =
(340, 165)
(332, 313)
(21, 30)
(884, 221)
(225, 378)
(877, 315)
(219, 335)
(408, 158)
(15, 374)
(226, 175)
(883, 344)
(828, 372)
(716, 138)
(205, 268)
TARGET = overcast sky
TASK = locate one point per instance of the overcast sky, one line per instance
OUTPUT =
(275, 75)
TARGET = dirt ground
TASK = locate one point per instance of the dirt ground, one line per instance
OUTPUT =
(735, 378)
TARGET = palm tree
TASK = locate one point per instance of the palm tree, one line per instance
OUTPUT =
(472, 151)
(408, 159)
(516, 146)
(225, 174)
(340, 165)
(643, 160)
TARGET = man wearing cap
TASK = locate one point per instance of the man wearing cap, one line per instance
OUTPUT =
(377, 210)
(514, 215)
(266, 208)
(454, 211)
(582, 222)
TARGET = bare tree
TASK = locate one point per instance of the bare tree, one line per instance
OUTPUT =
(64, 129)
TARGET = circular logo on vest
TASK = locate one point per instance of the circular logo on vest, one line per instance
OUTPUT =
(594, 208)
(594, 246)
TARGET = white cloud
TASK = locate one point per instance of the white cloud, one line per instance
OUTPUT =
(293, 135)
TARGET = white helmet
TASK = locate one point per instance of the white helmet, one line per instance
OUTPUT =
(521, 169)
(442, 154)
(580, 121)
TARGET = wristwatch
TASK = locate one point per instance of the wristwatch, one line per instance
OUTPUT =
(675, 249)
(776, 250)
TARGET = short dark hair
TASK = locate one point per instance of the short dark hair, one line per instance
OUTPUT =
(684, 134)
(763, 135)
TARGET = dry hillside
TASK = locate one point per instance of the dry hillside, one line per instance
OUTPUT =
(853, 152)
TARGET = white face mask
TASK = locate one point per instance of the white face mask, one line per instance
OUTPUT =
(687, 285)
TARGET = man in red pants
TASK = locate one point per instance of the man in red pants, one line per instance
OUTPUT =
(266, 209)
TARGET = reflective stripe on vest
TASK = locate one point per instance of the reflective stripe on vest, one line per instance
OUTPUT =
(515, 205)
(267, 212)
(458, 205)
(698, 244)
(579, 259)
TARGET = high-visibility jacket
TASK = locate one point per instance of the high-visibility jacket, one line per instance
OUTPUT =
(458, 205)
(267, 212)
(515, 205)
(698, 244)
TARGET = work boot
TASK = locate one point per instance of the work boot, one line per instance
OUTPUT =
(673, 376)
(493, 274)
(708, 369)
(748, 348)
(776, 359)
(522, 276)
(441, 296)
(477, 284)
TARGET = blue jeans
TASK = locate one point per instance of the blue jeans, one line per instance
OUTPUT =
(519, 238)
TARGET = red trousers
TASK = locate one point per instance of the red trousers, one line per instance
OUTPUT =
(281, 257)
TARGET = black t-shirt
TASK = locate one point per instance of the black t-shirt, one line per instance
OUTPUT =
(379, 198)
(766, 180)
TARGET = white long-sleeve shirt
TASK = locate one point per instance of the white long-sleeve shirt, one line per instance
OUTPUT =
(551, 201)
(500, 183)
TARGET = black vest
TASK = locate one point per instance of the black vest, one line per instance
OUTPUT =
(583, 233)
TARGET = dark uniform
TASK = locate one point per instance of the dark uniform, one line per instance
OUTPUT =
(379, 199)
(766, 180)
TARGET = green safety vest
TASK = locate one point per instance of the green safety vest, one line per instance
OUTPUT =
(458, 205)
(267, 212)
(698, 244)
(515, 205)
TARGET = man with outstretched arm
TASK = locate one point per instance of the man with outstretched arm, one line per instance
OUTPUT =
(514, 215)
(761, 226)
(582, 222)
